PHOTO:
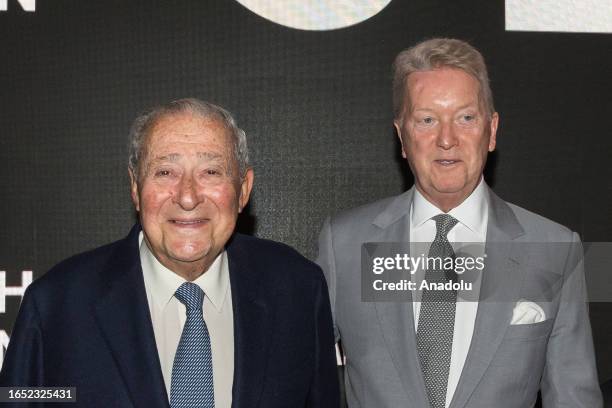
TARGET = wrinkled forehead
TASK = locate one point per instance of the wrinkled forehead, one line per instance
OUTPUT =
(176, 136)
(187, 128)
(440, 80)
(443, 76)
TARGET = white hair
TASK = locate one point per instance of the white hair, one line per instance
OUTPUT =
(147, 120)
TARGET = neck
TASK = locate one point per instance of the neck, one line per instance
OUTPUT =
(445, 204)
(189, 271)
(447, 201)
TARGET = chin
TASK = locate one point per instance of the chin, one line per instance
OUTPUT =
(191, 253)
(449, 188)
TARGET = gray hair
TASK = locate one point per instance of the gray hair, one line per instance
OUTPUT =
(438, 53)
(146, 121)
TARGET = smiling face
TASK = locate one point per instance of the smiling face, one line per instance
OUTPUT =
(445, 134)
(188, 191)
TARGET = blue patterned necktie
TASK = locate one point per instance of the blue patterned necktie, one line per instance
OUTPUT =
(437, 318)
(192, 371)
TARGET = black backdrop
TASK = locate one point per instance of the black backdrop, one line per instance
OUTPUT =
(316, 107)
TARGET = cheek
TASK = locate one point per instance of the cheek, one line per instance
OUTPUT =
(422, 151)
(414, 152)
(152, 200)
(422, 141)
(481, 149)
(225, 198)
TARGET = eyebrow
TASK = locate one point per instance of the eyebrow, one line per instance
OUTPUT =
(467, 105)
(169, 157)
(174, 157)
(202, 156)
(209, 155)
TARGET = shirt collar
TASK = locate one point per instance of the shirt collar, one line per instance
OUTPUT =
(163, 283)
(472, 212)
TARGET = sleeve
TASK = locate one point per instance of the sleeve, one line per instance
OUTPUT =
(324, 390)
(23, 361)
(570, 376)
(326, 260)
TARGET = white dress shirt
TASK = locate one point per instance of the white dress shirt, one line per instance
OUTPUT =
(472, 215)
(168, 315)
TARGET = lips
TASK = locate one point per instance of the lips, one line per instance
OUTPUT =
(447, 162)
(189, 223)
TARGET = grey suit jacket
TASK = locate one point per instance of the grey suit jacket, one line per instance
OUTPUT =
(506, 364)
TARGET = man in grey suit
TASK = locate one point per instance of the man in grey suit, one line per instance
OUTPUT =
(527, 329)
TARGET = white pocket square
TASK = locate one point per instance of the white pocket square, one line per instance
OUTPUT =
(526, 312)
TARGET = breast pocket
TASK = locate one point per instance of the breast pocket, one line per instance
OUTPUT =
(528, 332)
(523, 346)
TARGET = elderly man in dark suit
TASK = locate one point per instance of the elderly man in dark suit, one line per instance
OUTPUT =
(183, 312)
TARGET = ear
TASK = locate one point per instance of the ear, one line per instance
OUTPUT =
(398, 129)
(245, 189)
(134, 190)
(493, 131)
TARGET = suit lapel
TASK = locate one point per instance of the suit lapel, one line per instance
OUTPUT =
(499, 291)
(396, 318)
(397, 324)
(122, 314)
(252, 326)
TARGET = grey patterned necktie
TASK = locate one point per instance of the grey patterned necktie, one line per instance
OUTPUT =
(192, 372)
(437, 318)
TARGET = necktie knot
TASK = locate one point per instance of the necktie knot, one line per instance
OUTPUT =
(444, 223)
(190, 295)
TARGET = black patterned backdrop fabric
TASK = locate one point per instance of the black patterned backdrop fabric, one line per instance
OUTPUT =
(316, 107)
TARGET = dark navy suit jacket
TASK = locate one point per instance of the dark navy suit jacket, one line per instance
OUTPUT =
(86, 324)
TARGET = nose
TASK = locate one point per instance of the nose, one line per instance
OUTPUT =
(447, 138)
(187, 195)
